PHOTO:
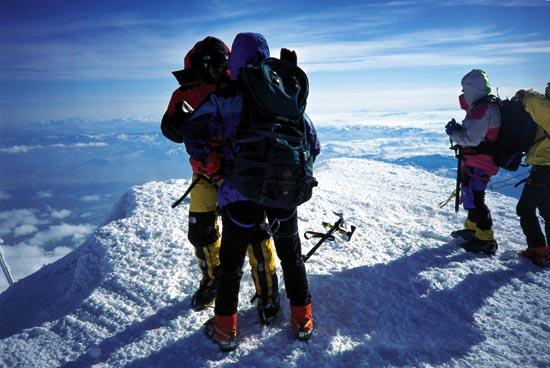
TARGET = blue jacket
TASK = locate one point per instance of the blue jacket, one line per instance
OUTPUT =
(213, 125)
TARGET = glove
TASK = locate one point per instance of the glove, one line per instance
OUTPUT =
(173, 125)
(210, 167)
(289, 55)
(452, 126)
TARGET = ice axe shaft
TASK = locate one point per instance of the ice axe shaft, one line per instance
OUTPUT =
(458, 156)
(193, 183)
(457, 187)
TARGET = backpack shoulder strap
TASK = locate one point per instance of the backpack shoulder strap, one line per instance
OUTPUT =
(489, 99)
(545, 136)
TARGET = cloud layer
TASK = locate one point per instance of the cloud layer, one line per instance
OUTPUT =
(134, 45)
(24, 149)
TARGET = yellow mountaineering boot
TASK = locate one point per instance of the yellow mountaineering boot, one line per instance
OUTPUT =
(483, 242)
(468, 233)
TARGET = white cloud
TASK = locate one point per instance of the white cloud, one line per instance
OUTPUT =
(503, 3)
(79, 145)
(106, 55)
(44, 194)
(4, 195)
(492, 3)
(23, 260)
(25, 229)
(348, 99)
(442, 47)
(58, 232)
(25, 149)
(148, 138)
(61, 214)
(91, 144)
(90, 198)
(18, 149)
(11, 219)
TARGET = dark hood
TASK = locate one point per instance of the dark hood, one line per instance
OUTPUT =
(248, 48)
(211, 47)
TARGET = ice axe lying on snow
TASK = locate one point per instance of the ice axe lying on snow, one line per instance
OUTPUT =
(337, 227)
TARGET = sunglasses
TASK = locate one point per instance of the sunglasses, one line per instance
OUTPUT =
(215, 62)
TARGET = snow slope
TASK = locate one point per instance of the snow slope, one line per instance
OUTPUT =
(399, 294)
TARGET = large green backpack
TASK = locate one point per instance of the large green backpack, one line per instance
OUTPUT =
(273, 164)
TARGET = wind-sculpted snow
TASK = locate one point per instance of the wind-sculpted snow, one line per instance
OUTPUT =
(400, 293)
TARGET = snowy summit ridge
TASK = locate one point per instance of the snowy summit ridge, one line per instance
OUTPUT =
(401, 293)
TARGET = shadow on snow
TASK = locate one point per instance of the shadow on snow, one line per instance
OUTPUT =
(388, 312)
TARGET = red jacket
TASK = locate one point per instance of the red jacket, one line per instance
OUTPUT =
(193, 89)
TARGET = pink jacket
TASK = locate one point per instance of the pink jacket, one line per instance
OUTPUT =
(482, 121)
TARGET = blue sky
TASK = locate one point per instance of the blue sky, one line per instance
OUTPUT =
(101, 59)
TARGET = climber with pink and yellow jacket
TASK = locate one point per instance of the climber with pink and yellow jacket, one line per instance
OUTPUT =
(481, 124)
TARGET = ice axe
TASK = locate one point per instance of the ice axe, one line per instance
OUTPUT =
(193, 183)
(456, 193)
(337, 227)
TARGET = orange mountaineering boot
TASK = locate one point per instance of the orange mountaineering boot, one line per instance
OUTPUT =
(540, 256)
(223, 331)
(302, 322)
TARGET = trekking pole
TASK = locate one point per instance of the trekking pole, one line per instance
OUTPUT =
(336, 227)
(458, 156)
(193, 183)
(5, 266)
(496, 185)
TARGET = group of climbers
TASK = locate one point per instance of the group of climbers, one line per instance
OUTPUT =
(480, 130)
(205, 114)
(205, 72)
(212, 111)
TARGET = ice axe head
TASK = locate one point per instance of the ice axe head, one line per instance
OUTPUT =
(339, 226)
(350, 232)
